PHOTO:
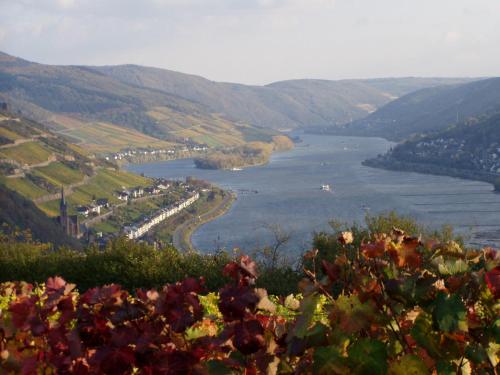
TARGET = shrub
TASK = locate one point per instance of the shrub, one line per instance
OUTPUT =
(394, 304)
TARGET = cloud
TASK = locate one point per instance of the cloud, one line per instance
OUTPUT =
(259, 41)
(452, 37)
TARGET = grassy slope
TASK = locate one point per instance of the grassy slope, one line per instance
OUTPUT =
(24, 187)
(56, 174)
(103, 185)
(59, 174)
(105, 137)
(17, 211)
(26, 153)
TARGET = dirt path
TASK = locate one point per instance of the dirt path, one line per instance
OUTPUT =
(181, 238)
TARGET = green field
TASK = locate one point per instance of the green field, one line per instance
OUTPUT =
(26, 153)
(59, 174)
(24, 187)
(9, 134)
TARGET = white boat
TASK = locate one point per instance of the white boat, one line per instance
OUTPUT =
(236, 169)
(325, 187)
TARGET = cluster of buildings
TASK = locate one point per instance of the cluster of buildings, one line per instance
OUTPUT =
(154, 153)
(138, 230)
(457, 153)
(138, 192)
(94, 207)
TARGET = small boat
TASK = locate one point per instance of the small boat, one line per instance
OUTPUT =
(236, 169)
(325, 187)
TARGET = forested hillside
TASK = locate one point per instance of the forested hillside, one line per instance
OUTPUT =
(470, 149)
(431, 110)
(280, 105)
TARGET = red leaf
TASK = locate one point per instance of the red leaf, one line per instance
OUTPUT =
(493, 281)
(373, 250)
(249, 336)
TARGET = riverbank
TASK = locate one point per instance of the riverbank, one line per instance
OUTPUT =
(402, 166)
(181, 238)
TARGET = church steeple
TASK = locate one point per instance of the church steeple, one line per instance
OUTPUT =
(63, 209)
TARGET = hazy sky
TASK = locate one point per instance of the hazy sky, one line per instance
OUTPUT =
(260, 41)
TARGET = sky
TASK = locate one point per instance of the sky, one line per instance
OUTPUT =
(261, 41)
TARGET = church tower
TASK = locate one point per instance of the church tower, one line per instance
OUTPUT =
(63, 211)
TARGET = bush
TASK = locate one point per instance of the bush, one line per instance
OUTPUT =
(394, 305)
(130, 264)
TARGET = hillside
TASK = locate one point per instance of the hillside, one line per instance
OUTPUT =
(431, 110)
(280, 105)
(80, 102)
(19, 212)
(36, 163)
(471, 150)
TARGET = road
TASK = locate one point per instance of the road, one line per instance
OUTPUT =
(181, 238)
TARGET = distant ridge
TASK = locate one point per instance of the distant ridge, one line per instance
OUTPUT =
(178, 108)
(431, 110)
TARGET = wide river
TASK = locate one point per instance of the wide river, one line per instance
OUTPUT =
(286, 194)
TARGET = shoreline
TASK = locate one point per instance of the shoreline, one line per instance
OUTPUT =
(181, 237)
(429, 169)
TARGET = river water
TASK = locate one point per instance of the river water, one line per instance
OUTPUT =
(286, 194)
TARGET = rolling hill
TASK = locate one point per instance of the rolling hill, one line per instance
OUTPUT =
(431, 110)
(280, 105)
(69, 97)
(93, 105)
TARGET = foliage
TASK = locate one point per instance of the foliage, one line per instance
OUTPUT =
(252, 153)
(125, 262)
(394, 304)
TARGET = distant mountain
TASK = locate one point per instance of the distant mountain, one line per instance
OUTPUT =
(431, 110)
(470, 150)
(280, 105)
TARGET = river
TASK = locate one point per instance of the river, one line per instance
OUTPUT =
(286, 193)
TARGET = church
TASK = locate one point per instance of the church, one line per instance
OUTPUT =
(69, 223)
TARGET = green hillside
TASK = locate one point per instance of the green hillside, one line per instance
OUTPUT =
(19, 212)
(93, 108)
(470, 150)
(43, 162)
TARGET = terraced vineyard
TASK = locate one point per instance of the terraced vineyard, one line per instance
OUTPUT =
(41, 163)
(28, 153)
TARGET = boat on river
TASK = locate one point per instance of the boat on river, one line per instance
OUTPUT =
(326, 187)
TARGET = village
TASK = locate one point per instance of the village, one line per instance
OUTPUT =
(459, 154)
(148, 154)
(163, 199)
